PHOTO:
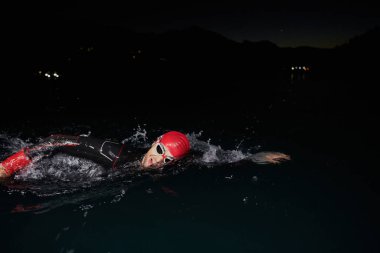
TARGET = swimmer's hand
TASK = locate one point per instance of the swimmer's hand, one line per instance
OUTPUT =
(270, 157)
(2, 172)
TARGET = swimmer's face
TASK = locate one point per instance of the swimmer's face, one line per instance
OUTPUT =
(157, 156)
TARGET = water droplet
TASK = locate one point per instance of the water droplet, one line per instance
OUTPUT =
(229, 177)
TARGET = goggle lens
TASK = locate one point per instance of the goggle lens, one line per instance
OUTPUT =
(160, 149)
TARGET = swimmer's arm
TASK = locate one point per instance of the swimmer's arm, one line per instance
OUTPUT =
(26, 156)
(14, 163)
(269, 157)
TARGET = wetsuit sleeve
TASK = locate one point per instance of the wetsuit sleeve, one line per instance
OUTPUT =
(104, 152)
(15, 162)
(27, 155)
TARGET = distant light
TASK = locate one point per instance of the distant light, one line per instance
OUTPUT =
(55, 74)
(304, 68)
(40, 72)
(292, 68)
(47, 75)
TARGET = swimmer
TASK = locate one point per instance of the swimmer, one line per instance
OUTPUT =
(167, 149)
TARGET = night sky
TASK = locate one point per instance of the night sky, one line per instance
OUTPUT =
(296, 23)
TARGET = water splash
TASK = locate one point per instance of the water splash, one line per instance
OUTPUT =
(63, 167)
(9, 145)
(138, 139)
(212, 155)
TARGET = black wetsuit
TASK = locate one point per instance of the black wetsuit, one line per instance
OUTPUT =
(109, 154)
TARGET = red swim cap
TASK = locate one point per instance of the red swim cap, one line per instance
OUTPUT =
(176, 142)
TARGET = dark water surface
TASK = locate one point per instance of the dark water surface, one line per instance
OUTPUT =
(326, 199)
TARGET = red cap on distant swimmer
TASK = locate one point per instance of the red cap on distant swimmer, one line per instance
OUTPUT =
(177, 143)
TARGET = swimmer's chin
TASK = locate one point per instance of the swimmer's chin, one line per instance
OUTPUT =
(151, 168)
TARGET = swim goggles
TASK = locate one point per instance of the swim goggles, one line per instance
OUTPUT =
(160, 149)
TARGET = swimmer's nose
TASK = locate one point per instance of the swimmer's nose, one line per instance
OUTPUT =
(157, 159)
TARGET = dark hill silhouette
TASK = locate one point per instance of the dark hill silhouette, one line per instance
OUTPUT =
(196, 47)
(197, 35)
(94, 49)
(369, 40)
(359, 56)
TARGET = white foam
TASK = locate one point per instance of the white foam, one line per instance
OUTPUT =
(213, 154)
(139, 137)
(10, 145)
(62, 167)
